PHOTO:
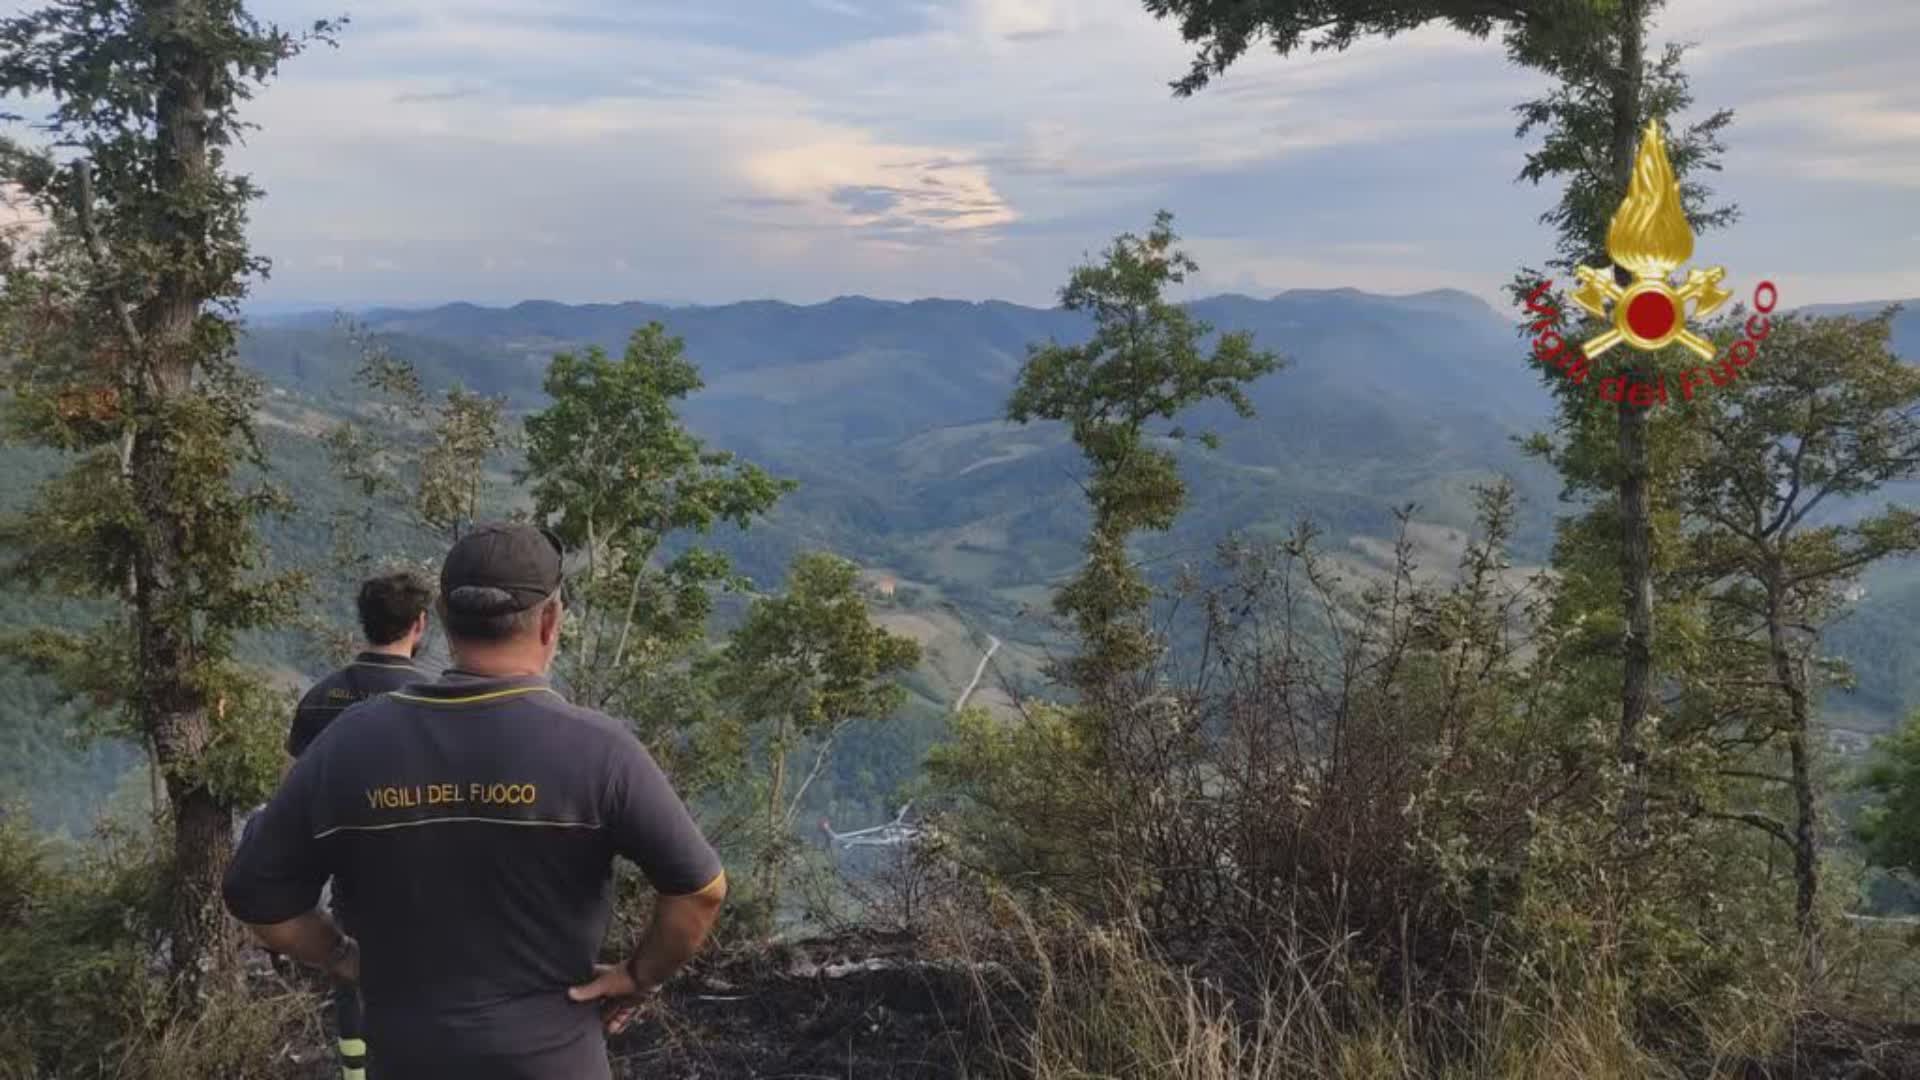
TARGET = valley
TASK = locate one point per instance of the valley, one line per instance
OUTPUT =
(887, 416)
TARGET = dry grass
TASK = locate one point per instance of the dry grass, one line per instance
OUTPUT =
(235, 1037)
(1096, 1003)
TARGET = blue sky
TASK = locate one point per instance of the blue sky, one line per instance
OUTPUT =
(594, 150)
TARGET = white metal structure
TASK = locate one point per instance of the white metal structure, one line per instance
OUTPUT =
(893, 833)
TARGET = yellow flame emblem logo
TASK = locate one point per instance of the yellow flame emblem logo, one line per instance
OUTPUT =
(1649, 237)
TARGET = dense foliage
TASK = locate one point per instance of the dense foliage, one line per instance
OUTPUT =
(1466, 816)
(118, 321)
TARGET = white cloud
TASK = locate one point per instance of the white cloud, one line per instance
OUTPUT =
(1382, 249)
(1720, 30)
(1021, 18)
(850, 178)
(1863, 136)
(1079, 87)
(520, 140)
(1875, 170)
(1848, 116)
(1799, 289)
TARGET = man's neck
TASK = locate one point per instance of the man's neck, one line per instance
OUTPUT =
(402, 649)
(498, 665)
(520, 672)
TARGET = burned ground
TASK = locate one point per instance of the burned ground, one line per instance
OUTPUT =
(862, 1006)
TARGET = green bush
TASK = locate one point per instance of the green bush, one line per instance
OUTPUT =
(1390, 768)
(1889, 825)
(73, 956)
(83, 989)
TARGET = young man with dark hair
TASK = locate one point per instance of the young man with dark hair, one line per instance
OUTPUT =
(393, 619)
(475, 820)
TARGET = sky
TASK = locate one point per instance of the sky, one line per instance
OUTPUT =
(602, 150)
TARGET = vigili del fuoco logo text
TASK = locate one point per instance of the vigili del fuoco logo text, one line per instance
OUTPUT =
(1649, 238)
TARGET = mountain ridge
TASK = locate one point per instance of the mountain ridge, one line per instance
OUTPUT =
(282, 312)
(294, 311)
(890, 414)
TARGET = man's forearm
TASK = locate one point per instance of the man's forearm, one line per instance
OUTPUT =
(310, 938)
(678, 929)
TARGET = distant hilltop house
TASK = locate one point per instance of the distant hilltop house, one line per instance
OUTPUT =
(1844, 741)
(879, 584)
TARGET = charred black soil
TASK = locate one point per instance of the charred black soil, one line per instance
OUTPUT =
(837, 1007)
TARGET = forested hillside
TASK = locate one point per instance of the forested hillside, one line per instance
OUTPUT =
(1146, 687)
(888, 417)
(890, 413)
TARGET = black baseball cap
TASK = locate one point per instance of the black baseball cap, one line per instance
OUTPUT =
(500, 568)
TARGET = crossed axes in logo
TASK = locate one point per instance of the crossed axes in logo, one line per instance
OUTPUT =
(1647, 304)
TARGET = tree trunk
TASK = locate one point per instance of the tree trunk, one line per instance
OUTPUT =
(1636, 576)
(172, 711)
(204, 945)
(156, 792)
(176, 717)
(772, 858)
(1806, 827)
(1636, 518)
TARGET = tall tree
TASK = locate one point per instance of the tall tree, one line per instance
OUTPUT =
(371, 454)
(1144, 363)
(1102, 758)
(617, 475)
(469, 431)
(418, 469)
(422, 462)
(1608, 90)
(1829, 413)
(123, 356)
(1594, 96)
(804, 665)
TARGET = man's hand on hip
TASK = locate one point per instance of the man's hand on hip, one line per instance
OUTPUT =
(344, 962)
(619, 996)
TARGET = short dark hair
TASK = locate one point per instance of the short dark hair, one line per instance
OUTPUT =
(390, 604)
(483, 614)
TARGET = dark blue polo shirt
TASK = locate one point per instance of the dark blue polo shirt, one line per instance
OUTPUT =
(474, 821)
(369, 675)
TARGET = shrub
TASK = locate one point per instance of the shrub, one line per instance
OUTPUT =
(83, 991)
(1092, 1001)
(1392, 774)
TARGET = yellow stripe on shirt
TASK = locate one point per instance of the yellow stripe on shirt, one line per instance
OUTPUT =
(489, 696)
(444, 820)
(717, 883)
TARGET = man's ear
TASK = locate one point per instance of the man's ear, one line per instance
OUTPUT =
(549, 623)
(420, 625)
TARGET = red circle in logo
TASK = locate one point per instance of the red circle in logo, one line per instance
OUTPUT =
(1651, 316)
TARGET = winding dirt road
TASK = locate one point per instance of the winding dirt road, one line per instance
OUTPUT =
(993, 647)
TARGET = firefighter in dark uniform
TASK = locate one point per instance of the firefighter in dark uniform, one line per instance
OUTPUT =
(393, 618)
(474, 820)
